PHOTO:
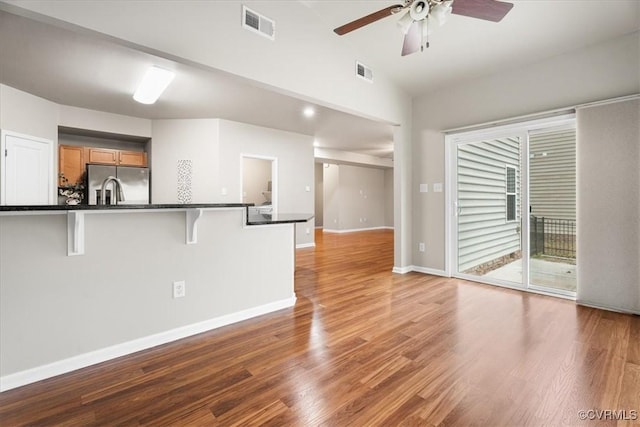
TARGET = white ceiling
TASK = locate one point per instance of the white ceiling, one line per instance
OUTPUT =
(85, 71)
(90, 72)
(465, 47)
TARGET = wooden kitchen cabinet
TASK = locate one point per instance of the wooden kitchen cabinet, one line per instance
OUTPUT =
(71, 164)
(72, 161)
(132, 158)
(103, 156)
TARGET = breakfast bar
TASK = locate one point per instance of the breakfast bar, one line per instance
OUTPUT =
(74, 279)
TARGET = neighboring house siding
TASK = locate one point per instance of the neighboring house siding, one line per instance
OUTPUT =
(553, 174)
(484, 233)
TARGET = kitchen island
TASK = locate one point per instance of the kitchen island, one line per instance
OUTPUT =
(83, 284)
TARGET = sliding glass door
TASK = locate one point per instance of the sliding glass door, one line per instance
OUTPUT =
(552, 199)
(512, 212)
(488, 209)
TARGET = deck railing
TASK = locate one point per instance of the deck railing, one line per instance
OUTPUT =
(553, 237)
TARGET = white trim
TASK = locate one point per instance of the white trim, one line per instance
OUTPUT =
(354, 230)
(306, 245)
(609, 308)
(274, 177)
(59, 367)
(402, 270)
(507, 193)
(479, 133)
(427, 270)
(608, 101)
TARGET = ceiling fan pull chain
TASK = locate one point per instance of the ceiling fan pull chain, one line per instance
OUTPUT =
(426, 23)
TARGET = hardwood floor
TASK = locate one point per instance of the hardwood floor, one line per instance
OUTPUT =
(365, 347)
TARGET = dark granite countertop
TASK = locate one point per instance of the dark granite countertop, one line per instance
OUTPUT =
(280, 218)
(42, 208)
(253, 217)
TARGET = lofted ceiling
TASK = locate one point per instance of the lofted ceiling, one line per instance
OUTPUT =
(465, 48)
(88, 71)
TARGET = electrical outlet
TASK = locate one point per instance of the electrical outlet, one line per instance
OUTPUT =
(179, 289)
(308, 230)
(421, 247)
(223, 191)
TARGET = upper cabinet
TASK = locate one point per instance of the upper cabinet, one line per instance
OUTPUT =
(104, 156)
(73, 160)
(132, 158)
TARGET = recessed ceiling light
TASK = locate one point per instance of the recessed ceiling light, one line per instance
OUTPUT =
(309, 112)
(155, 81)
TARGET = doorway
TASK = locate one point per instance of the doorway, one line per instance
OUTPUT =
(512, 216)
(259, 181)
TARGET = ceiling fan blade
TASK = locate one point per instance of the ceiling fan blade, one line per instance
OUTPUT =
(413, 39)
(366, 20)
(489, 10)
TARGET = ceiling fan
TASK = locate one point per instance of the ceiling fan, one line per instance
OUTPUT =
(420, 16)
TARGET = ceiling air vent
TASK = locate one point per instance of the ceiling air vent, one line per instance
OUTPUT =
(257, 23)
(364, 72)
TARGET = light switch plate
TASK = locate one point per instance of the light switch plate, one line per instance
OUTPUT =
(437, 187)
(424, 188)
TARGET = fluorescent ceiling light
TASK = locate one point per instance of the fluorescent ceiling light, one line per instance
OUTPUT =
(309, 112)
(155, 81)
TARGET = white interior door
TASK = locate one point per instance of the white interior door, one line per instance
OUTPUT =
(27, 166)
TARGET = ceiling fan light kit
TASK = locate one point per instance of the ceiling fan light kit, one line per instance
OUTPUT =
(419, 17)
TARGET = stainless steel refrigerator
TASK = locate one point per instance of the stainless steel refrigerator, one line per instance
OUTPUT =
(135, 183)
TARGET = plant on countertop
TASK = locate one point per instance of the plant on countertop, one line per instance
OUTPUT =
(73, 192)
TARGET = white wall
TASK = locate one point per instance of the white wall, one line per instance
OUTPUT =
(355, 197)
(609, 205)
(215, 148)
(319, 194)
(56, 309)
(331, 192)
(196, 140)
(388, 197)
(573, 78)
(294, 154)
(82, 118)
(28, 114)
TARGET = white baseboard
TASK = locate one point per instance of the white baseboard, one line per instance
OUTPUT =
(402, 270)
(604, 307)
(306, 245)
(32, 375)
(418, 269)
(354, 230)
(427, 270)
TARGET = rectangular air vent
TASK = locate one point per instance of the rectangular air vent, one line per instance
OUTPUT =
(364, 72)
(257, 23)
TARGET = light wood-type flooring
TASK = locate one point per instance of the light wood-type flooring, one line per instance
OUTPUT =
(365, 347)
